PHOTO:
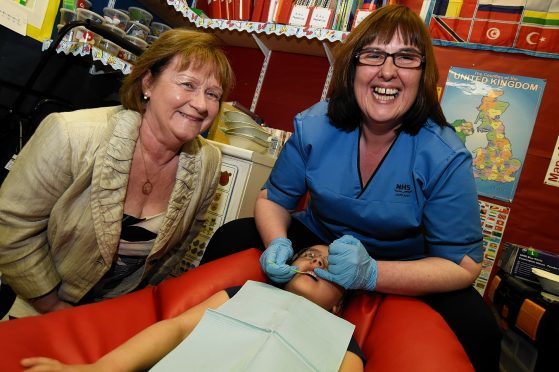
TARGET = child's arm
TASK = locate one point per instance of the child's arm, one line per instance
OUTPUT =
(144, 349)
(351, 363)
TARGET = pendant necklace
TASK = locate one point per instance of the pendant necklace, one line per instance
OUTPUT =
(147, 187)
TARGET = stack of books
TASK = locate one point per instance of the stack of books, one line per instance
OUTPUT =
(339, 15)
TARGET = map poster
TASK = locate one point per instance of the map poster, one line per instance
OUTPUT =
(493, 221)
(493, 115)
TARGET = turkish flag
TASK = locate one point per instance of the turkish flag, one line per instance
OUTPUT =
(493, 33)
(538, 39)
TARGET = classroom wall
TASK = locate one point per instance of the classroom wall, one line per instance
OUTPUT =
(294, 82)
(534, 215)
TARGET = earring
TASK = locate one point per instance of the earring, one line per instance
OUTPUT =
(146, 97)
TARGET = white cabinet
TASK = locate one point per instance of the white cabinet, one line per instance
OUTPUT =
(243, 172)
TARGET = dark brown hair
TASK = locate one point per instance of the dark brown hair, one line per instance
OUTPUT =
(195, 48)
(381, 26)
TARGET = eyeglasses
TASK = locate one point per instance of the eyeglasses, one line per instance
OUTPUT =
(311, 255)
(376, 57)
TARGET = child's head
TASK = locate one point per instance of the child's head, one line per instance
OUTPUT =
(322, 292)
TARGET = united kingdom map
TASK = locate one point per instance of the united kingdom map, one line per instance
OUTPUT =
(493, 114)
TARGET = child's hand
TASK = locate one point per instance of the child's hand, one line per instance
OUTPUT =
(43, 364)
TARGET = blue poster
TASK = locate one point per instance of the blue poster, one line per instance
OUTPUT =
(493, 115)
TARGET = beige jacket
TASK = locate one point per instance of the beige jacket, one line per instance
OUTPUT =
(62, 203)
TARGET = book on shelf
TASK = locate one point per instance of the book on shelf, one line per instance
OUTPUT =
(230, 9)
(214, 9)
(321, 17)
(300, 15)
(223, 9)
(360, 15)
(283, 11)
(257, 10)
(242, 10)
(271, 11)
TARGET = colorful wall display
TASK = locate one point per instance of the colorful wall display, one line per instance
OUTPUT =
(493, 221)
(493, 115)
(518, 26)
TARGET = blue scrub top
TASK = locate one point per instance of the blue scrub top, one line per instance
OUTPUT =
(421, 201)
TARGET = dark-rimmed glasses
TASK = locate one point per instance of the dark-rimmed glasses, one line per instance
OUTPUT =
(377, 57)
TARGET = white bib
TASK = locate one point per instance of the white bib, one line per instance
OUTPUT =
(263, 328)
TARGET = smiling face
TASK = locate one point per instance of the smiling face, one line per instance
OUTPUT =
(322, 292)
(385, 93)
(182, 102)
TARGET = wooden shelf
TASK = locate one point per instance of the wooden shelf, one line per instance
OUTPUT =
(285, 38)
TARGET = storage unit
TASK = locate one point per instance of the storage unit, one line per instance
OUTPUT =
(531, 324)
(243, 172)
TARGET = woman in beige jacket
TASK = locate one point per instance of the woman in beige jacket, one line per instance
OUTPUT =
(103, 201)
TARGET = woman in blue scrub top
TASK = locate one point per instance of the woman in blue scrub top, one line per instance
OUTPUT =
(390, 183)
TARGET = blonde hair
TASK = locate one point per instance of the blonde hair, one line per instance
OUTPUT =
(196, 49)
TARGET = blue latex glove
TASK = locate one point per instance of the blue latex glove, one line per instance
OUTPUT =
(274, 258)
(350, 265)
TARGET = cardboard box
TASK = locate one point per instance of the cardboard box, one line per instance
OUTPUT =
(518, 261)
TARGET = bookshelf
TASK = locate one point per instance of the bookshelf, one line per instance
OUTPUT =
(301, 43)
(268, 37)
(277, 37)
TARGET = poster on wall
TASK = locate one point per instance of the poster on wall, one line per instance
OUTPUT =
(34, 18)
(552, 175)
(493, 221)
(517, 26)
(493, 115)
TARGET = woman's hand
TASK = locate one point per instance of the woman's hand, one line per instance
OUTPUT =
(48, 303)
(350, 265)
(42, 364)
(274, 258)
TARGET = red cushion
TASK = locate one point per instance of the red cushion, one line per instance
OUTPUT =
(176, 295)
(78, 335)
(396, 333)
(407, 335)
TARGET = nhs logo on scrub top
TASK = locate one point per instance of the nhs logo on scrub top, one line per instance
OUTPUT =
(402, 190)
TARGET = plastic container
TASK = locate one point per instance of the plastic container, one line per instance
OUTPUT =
(83, 35)
(157, 28)
(69, 36)
(137, 41)
(256, 134)
(120, 32)
(548, 281)
(238, 116)
(109, 47)
(125, 55)
(247, 142)
(134, 28)
(151, 38)
(67, 16)
(140, 15)
(84, 14)
(115, 17)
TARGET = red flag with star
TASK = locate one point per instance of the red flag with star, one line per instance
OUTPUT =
(538, 39)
